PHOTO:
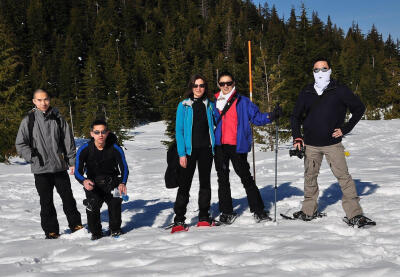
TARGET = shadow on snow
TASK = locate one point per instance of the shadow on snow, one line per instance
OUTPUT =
(148, 210)
(284, 190)
(333, 194)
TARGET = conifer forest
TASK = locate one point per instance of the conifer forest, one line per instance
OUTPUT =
(129, 61)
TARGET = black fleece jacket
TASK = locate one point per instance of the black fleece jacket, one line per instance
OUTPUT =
(320, 115)
(107, 162)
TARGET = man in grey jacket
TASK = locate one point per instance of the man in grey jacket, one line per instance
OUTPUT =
(50, 148)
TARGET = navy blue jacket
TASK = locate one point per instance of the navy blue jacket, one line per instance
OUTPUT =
(320, 115)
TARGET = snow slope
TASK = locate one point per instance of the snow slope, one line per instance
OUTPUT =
(324, 247)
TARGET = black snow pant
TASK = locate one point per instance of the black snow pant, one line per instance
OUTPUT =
(223, 154)
(96, 198)
(45, 184)
(204, 158)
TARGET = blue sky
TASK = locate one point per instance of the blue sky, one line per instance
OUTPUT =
(385, 14)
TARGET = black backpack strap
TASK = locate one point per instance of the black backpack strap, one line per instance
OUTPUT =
(31, 122)
(34, 151)
(226, 108)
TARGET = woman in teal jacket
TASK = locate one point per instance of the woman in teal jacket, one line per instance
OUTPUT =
(195, 143)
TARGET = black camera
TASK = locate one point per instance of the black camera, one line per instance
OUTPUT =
(90, 204)
(297, 152)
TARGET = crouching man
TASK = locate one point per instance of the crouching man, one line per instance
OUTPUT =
(105, 166)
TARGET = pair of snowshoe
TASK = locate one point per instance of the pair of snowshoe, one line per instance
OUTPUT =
(228, 219)
(114, 234)
(224, 219)
(179, 226)
(359, 221)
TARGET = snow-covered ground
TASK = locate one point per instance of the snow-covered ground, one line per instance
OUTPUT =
(323, 247)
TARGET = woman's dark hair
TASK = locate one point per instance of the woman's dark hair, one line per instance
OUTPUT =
(189, 92)
(225, 73)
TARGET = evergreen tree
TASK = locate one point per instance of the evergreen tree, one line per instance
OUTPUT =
(13, 103)
(91, 100)
(76, 48)
(116, 107)
(175, 80)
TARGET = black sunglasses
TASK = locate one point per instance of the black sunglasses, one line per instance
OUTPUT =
(324, 69)
(201, 85)
(222, 84)
(98, 132)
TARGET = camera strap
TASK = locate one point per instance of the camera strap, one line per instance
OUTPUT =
(226, 108)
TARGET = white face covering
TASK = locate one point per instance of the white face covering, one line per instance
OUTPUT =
(322, 80)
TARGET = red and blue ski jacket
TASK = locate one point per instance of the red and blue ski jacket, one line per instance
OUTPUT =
(246, 112)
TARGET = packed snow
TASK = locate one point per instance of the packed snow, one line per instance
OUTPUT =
(322, 247)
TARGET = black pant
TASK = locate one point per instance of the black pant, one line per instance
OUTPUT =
(96, 198)
(45, 184)
(203, 156)
(223, 154)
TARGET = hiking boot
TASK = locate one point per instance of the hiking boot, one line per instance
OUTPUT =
(206, 222)
(76, 228)
(302, 216)
(96, 236)
(179, 226)
(359, 221)
(116, 233)
(52, 235)
(227, 218)
(262, 216)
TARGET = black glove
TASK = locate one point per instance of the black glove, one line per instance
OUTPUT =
(276, 113)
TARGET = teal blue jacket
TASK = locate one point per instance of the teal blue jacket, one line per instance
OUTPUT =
(184, 123)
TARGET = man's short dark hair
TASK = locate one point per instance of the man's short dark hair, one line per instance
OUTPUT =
(321, 59)
(225, 73)
(98, 121)
(40, 90)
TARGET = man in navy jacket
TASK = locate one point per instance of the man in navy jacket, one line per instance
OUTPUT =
(105, 166)
(321, 109)
(233, 138)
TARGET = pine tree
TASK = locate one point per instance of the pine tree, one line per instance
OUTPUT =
(116, 107)
(91, 100)
(174, 83)
(13, 103)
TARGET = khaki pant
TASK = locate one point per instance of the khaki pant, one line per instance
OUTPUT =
(336, 159)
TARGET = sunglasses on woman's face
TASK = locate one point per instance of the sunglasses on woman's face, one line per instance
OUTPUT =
(197, 85)
(98, 132)
(222, 84)
(324, 69)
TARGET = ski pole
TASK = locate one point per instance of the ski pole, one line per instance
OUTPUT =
(276, 159)
(251, 99)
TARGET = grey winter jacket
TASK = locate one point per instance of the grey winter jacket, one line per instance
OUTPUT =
(46, 138)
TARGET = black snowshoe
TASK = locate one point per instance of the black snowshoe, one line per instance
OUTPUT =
(262, 216)
(360, 221)
(300, 215)
(227, 219)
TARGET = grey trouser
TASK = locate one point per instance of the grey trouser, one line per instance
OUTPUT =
(336, 159)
